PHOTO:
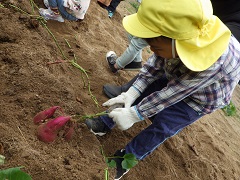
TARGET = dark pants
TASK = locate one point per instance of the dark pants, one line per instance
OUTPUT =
(113, 5)
(233, 23)
(165, 124)
(235, 29)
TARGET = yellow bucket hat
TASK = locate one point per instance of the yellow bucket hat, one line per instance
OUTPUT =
(201, 38)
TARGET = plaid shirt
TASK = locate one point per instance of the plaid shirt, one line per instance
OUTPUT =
(204, 91)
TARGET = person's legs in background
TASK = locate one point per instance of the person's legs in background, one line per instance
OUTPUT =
(64, 13)
(112, 7)
(56, 11)
(52, 12)
(131, 59)
(133, 53)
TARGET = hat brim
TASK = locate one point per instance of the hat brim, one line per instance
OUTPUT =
(200, 53)
(134, 27)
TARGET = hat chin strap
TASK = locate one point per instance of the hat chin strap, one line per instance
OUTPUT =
(173, 49)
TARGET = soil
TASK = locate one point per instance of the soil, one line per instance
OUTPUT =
(206, 150)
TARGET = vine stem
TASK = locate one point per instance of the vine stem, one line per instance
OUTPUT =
(73, 63)
(55, 40)
(88, 116)
(89, 86)
(42, 21)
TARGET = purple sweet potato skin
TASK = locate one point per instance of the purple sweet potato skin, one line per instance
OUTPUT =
(47, 132)
(45, 114)
(57, 123)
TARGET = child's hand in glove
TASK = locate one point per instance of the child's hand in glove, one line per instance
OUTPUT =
(125, 117)
(126, 98)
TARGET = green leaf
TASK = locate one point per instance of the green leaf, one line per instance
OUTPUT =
(111, 164)
(230, 110)
(14, 174)
(129, 161)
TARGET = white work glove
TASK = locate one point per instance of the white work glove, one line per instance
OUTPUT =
(126, 98)
(125, 117)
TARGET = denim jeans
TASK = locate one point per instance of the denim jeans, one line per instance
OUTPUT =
(165, 124)
(62, 9)
(133, 51)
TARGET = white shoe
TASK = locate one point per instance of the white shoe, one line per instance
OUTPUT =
(48, 14)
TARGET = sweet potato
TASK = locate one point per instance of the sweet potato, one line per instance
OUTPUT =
(45, 114)
(48, 132)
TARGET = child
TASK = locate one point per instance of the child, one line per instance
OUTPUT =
(59, 10)
(193, 72)
(227, 11)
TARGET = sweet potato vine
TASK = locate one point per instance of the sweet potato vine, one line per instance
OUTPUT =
(73, 62)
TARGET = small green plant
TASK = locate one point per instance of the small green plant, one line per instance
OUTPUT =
(129, 161)
(12, 173)
(230, 110)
